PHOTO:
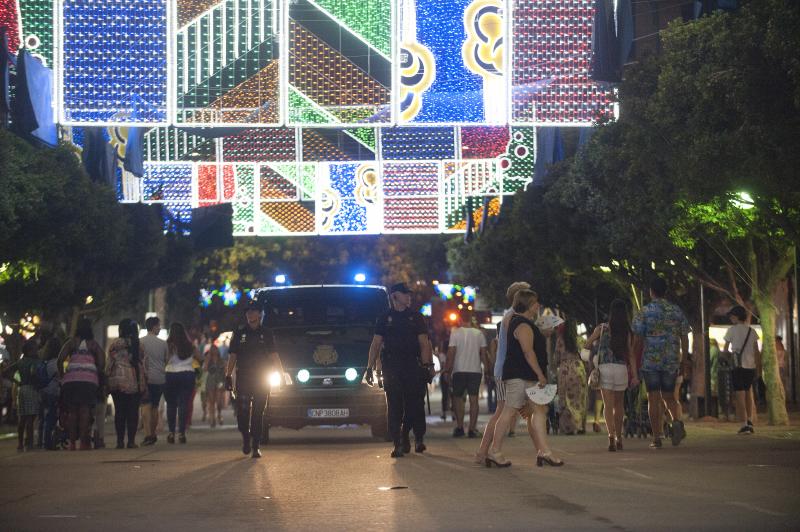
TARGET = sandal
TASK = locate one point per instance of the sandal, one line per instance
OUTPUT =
(548, 459)
(496, 459)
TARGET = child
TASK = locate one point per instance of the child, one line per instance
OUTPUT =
(27, 394)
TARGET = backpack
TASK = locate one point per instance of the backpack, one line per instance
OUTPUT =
(41, 380)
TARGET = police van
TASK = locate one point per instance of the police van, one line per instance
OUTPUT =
(323, 334)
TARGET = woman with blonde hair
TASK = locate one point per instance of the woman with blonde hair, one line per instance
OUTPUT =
(525, 366)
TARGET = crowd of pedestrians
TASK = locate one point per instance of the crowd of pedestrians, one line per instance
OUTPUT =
(66, 386)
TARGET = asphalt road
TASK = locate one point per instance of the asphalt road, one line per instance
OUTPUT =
(341, 479)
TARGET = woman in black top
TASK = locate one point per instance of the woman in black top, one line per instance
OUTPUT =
(524, 367)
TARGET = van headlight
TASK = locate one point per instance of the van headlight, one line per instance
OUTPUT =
(303, 376)
(275, 379)
(351, 374)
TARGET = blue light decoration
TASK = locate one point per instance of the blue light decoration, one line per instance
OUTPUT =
(205, 298)
(464, 294)
(426, 310)
(451, 62)
(348, 201)
(168, 182)
(112, 52)
(230, 296)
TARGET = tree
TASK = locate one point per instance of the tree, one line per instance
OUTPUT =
(68, 247)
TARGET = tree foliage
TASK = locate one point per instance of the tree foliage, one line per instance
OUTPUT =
(64, 238)
(698, 179)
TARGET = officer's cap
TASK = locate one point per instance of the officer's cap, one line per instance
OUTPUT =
(253, 305)
(400, 287)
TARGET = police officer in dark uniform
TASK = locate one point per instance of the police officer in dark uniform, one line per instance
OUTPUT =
(252, 353)
(407, 368)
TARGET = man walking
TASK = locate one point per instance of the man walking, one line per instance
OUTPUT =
(664, 329)
(407, 365)
(156, 356)
(465, 356)
(252, 353)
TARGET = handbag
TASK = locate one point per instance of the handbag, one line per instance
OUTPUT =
(594, 375)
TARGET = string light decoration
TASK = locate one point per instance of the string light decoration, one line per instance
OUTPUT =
(483, 142)
(37, 28)
(550, 64)
(459, 45)
(418, 143)
(410, 197)
(519, 159)
(167, 182)
(287, 206)
(168, 144)
(275, 144)
(114, 62)
(207, 185)
(9, 19)
(226, 63)
(348, 201)
(365, 18)
(339, 88)
(177, 217)
(318, 148)
(465, 185)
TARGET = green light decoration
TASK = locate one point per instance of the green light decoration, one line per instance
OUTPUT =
(303, 110)
(367, 18)
(518, 161)
(37, 28)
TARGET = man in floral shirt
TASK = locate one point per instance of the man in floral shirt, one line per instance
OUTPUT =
(664, 329)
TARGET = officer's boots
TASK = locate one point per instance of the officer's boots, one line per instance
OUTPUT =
(256, 452)
(397, 452)
(246, 444)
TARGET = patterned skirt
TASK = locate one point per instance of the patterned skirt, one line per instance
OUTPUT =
(572, 390)
(27, 400)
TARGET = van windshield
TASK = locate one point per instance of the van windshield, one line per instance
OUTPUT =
(309, 323)
(324, 306)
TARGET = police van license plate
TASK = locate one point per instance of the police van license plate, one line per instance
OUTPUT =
(328, 412)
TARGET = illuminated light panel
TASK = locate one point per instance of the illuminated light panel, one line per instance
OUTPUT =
(226, 66)
(114, 62)
(483, 142)
(37, 28)
(207, 185)
(168, 144)
(243, 218)
(9, 19)
(467, 183)
(348, 199)
(411, 196)
(343, 91)
(477, 213)
(275, 144)
(550, 64)
(416, 143)
(451, 62)
(367, 18)
(518, 161)
(287, 194)
(177, 217)
(318, 148)
(167, 182)
(190, 9)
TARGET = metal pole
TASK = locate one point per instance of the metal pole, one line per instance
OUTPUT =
(707, 352)
(793, 325)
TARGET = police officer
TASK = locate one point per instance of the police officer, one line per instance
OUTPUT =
(407, 367)
(252, 353)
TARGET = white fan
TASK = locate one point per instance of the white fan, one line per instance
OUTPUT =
(543, 395)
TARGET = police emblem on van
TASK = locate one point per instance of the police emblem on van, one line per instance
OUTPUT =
(325, 355)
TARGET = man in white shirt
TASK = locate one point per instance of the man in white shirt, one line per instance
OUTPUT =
(156, 356)
(465, 355)
(743, 343)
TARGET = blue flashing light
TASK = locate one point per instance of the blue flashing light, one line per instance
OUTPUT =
(426, 310)
(360, 278)
(280, 279)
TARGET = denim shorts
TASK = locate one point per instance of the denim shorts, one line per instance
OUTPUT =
(660, 380)
(154, 392)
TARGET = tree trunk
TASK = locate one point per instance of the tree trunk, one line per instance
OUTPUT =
(776, 400)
